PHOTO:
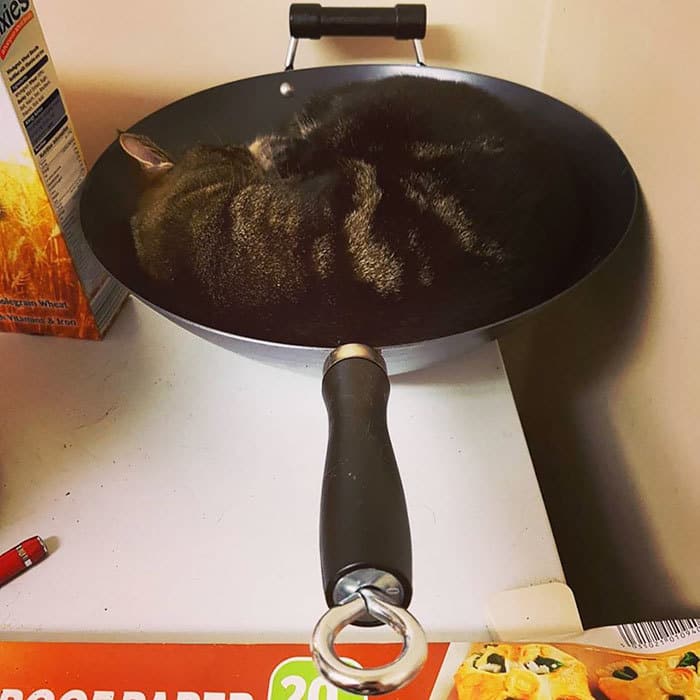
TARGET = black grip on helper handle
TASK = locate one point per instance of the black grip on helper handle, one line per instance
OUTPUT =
(313, 21)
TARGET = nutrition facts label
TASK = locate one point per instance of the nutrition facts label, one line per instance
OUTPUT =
(61, 165)
(63, 170)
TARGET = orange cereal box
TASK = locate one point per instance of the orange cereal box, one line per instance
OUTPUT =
(50, 283)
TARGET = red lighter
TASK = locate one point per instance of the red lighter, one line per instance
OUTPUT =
(21, 557)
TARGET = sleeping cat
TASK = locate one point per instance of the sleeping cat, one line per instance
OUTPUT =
(385, 211)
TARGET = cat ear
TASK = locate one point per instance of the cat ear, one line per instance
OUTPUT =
(151, 158)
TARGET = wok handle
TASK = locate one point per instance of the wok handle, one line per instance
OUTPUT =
(365, 537)
(312, 21)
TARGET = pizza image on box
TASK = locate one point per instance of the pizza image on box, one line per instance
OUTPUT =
(522, 672)
(669, 678)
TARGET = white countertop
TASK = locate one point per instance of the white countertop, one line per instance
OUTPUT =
(180, 483)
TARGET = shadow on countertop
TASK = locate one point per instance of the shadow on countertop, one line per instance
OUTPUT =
(562, 368)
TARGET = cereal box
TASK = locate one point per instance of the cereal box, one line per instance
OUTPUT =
(50, 283)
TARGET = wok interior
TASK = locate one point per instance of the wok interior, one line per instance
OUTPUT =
(240, 111)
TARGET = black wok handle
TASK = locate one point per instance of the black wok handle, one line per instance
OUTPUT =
(312, 21)
(364, 521)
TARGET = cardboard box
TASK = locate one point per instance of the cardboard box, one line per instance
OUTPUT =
(50, 282)
(648, 659)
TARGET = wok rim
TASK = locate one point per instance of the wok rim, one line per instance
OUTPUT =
(628, 172)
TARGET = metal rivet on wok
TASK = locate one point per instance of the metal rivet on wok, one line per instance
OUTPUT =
(286, 89)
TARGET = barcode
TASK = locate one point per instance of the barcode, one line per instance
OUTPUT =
(642, 635)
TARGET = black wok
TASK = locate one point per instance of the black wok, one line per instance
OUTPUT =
(366, 574)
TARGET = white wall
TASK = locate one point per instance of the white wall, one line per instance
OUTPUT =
(118, 61)
(606, 380)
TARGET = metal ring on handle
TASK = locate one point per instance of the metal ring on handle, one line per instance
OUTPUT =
(369, 681)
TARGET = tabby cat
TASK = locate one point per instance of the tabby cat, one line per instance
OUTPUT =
(385, 211)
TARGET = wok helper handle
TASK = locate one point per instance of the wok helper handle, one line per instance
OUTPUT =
(364, 530)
